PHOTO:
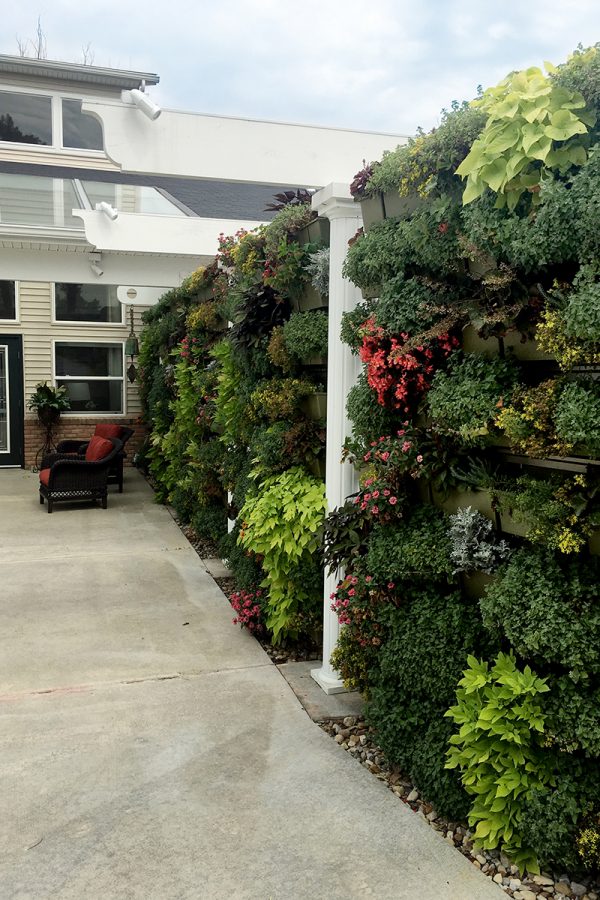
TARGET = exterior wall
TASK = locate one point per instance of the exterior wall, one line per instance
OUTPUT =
(71, 427)
(39, 332)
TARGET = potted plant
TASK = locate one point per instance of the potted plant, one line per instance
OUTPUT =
(49, 402)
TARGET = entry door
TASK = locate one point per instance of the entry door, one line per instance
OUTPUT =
(11, 400)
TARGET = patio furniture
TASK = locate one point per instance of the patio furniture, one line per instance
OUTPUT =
(105, 430)
(69, 476)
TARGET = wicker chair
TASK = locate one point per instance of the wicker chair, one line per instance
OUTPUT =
(68, 476)
(115, 473)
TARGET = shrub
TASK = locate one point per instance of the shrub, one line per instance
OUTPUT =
(582, 312)
(547, 610)
(369, 419)
(528, 421)
(427, 641)
(281, 524)
(280, 398)
(475, 546)
(209, 521)
(498, 750)
(413, 550)
(247, 571)
(305, 334)
(464, 399)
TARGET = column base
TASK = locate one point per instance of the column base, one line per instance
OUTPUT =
(328, 682)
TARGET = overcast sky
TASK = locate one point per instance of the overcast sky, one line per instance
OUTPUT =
(380, 65)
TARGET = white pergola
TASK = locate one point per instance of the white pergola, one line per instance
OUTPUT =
(145, 253)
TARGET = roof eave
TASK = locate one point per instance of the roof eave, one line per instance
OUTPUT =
(75, 72)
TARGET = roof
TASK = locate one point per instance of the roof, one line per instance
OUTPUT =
(205, 197)
(120, 79)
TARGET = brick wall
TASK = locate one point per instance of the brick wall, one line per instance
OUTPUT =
(70, 427)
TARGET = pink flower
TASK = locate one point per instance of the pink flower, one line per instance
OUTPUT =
(385, 456)
(351, 592)
(367, 496)
(393, 500)
(367, 456)
(391, 585)
(368, 579)
(419, 458)
(375, 495)
(387, 492)
(375, 510)
(406, 446)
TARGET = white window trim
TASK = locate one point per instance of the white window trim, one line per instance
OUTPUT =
(17, 319)
(93, 413)
(83, 324)
(56, 98)
(6, 352)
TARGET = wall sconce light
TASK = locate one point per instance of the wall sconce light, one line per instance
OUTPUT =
(108, 210)
(95, 260)
(132, 348)
(145, 104)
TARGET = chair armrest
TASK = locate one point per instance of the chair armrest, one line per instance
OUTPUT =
(49, 460)
(72, 446)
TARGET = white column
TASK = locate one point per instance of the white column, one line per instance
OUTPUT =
(335, 203)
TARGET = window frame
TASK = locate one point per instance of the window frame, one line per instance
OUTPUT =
(122, 378)
(56, 98)
(83, 323)
(17, 318)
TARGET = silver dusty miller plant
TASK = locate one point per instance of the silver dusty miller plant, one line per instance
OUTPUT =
(475, 546)
(318, 269)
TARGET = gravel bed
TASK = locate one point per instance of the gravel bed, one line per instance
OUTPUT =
(354, 736)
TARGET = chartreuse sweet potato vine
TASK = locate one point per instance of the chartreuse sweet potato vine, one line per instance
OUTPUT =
(282, 525)
(533, 123)
(498, 750)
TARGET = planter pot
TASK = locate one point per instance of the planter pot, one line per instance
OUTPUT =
(317, 467)
(479, 500)
(472, 343)
(475, 583)
(315, 361)
(594, 544)
(396, 206)
(310, 299)
(372, 211)
(525, 350)
(480, 266)
(316, 232)
(315, 406)
(510, 525)
(48, 416)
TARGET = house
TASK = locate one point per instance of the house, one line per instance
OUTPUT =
(106, 202)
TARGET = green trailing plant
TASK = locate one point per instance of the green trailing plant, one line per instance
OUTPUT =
(464, 399)
(285, 271)
(305, 334)
(288, 221)
(548, 610)
(281, 524)
(498, 750)
(475, 546)
(532, 124)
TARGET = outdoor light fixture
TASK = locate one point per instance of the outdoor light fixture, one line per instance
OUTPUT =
(95, 260)
(108, 210)
(143, 102)
(132, 348)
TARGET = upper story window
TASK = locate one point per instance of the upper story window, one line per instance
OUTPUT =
(48, 121)
(25, 118)
(87, 303)
(80, 130)
(8, 301)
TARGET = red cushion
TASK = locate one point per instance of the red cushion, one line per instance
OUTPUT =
(45, 476)
(98, 448)
(108, 431)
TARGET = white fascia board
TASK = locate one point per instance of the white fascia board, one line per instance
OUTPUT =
(131, 270)
(167, 235)
(191, 145)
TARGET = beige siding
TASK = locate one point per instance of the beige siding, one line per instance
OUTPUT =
(35, 314)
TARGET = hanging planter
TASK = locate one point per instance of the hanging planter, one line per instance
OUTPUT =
(310, 298)
(316, 232)
(475, 583)
(401, 207)
(317, 467)
(315, 406)
(473, 343)
(482, 501)
(372, 210)
(513, 345)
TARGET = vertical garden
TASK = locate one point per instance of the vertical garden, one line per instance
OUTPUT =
(233, 377)
(470, 603)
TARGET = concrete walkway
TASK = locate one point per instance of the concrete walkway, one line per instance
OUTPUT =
(149, 749)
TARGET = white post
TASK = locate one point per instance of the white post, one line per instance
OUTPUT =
(335, 203)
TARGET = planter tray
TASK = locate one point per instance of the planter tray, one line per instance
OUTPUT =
(310, 299)
(579, 464)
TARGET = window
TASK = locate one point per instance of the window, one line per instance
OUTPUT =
(92, 374)
(87, 303)
(25, 118)
(131, 198)
(80, 130)
(37, 200)
(8, 301)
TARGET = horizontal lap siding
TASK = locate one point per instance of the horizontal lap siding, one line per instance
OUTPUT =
(35, 325)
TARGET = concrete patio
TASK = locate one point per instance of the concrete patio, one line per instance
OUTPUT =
(149, 749)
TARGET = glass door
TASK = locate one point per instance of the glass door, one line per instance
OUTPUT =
(11, 400)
